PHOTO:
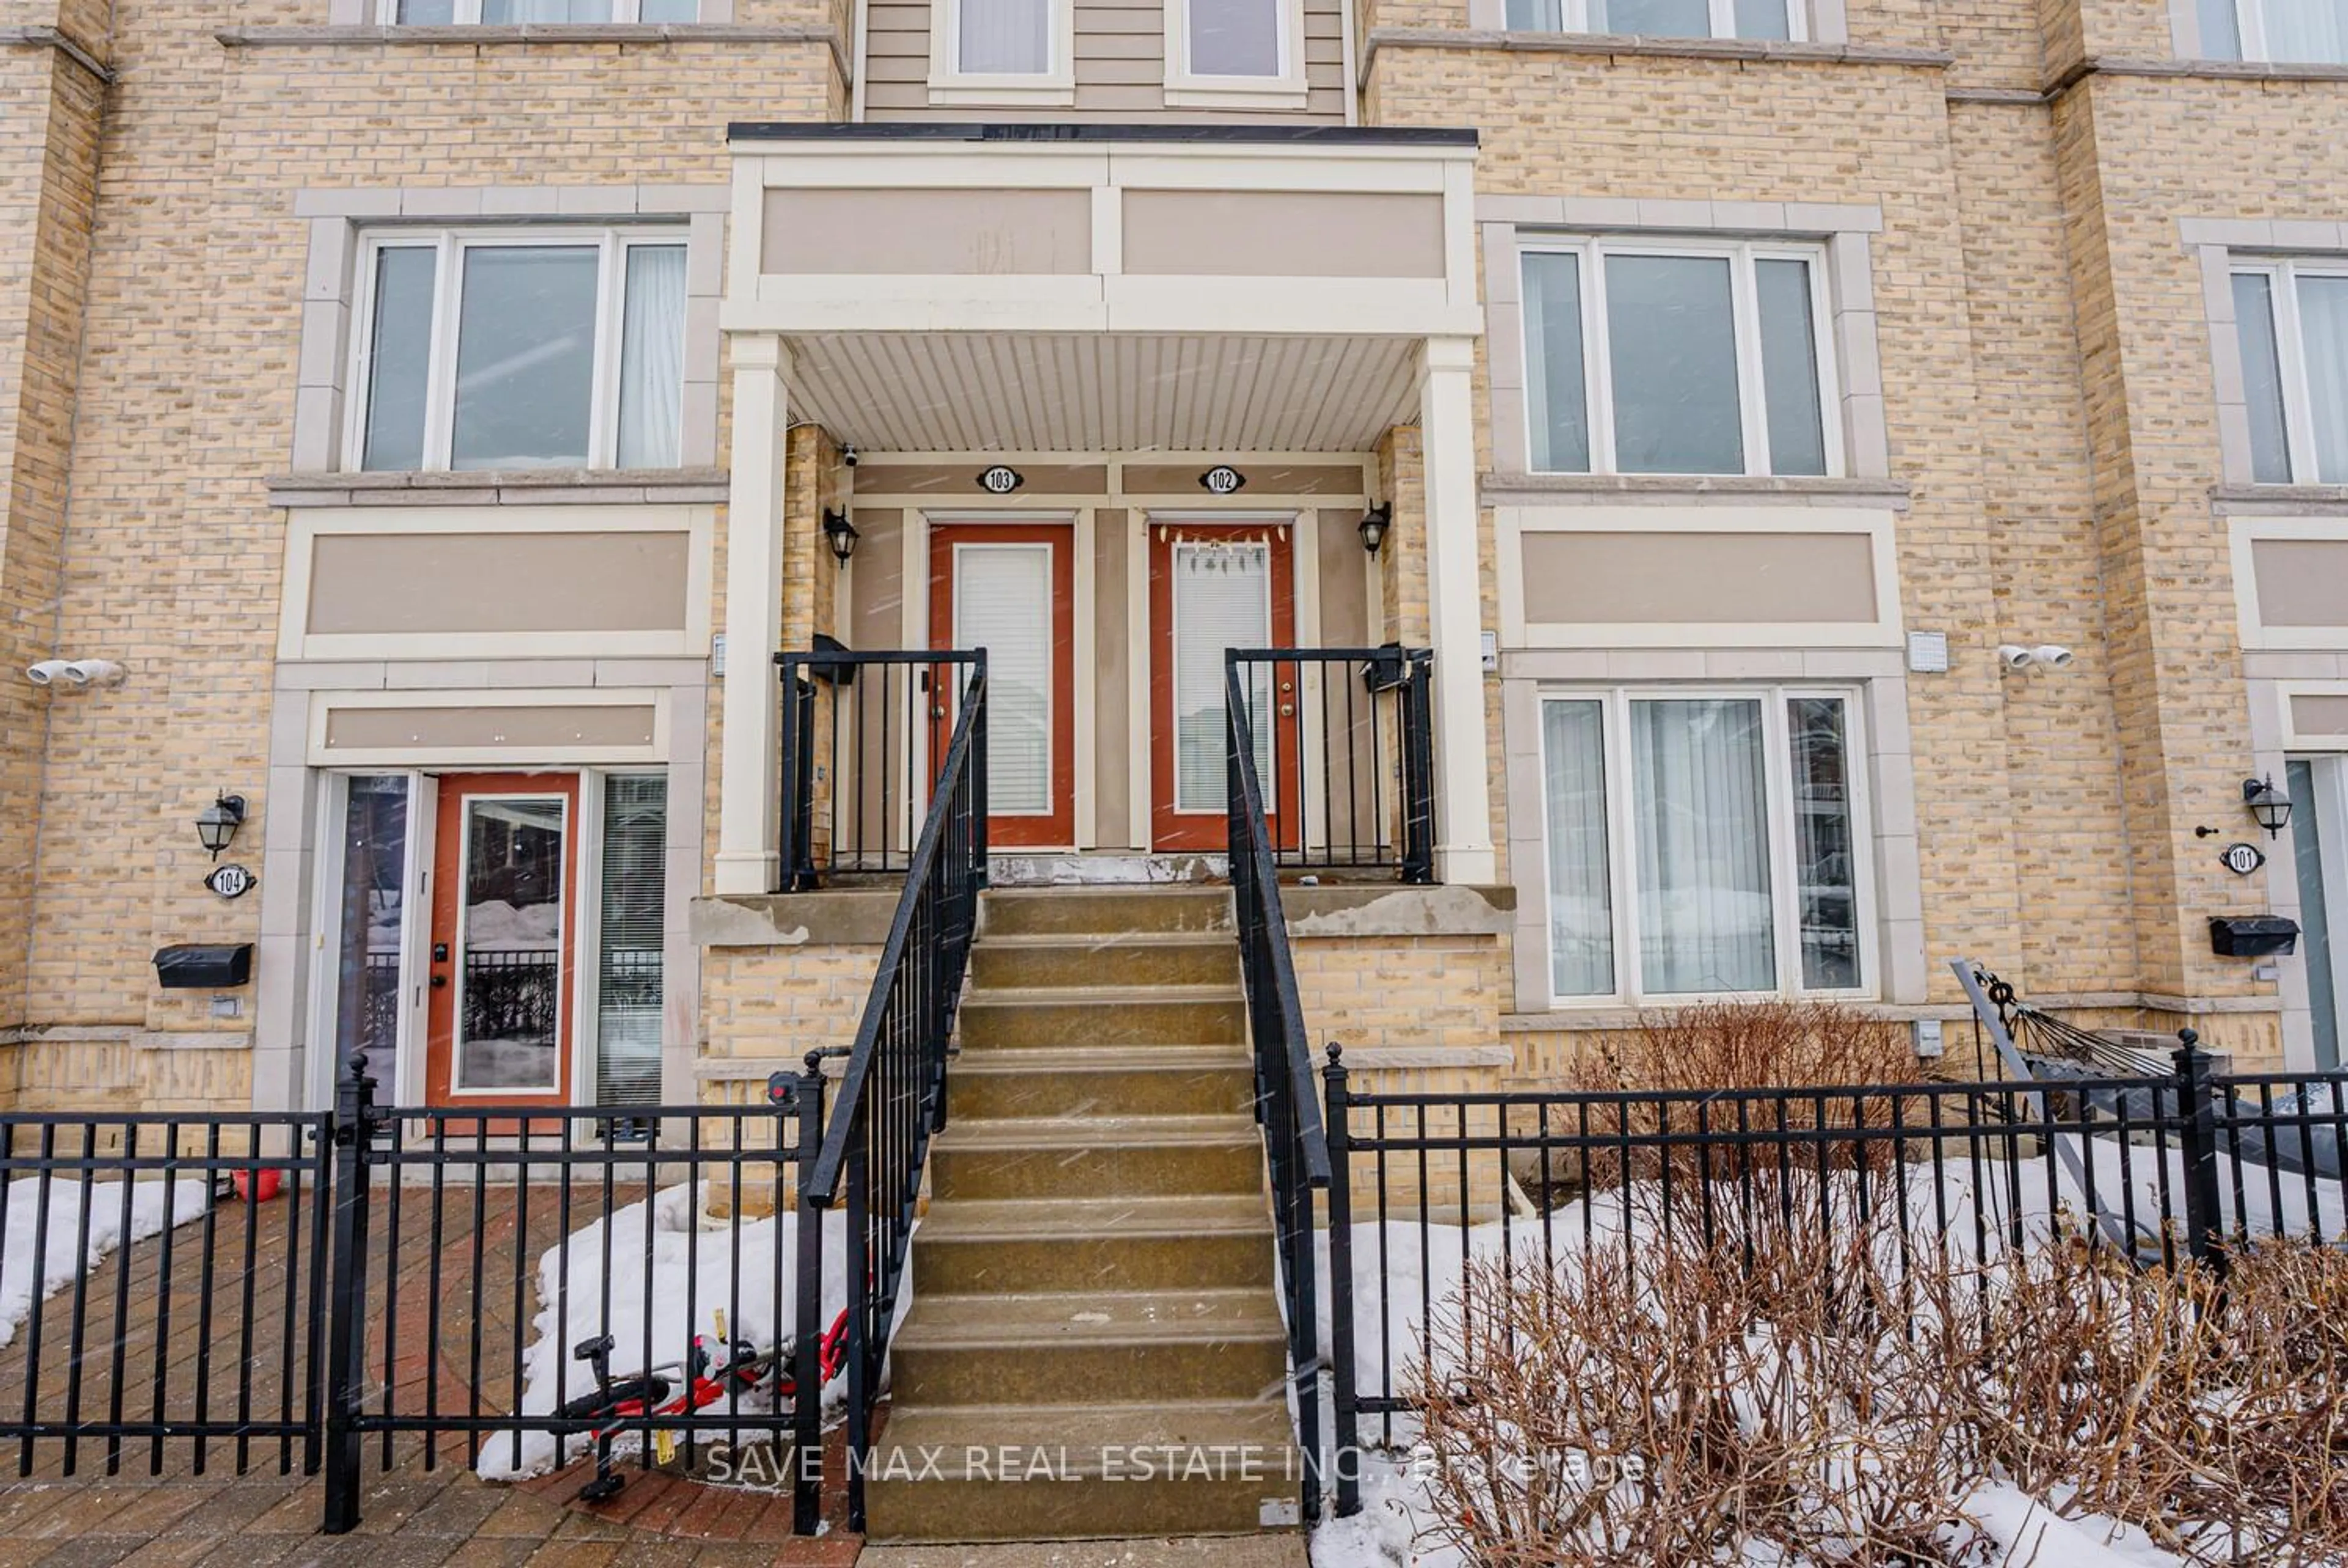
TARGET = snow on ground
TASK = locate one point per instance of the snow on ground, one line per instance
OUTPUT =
(63, 1256)
(682, 1252)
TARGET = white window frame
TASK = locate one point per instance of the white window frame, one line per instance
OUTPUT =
(2284, 273)
(1745, 306)
(1574, 18)
(1622, 892)
(1286, 89)
(1052, 88)
(468, 14)
(2250, 31)
(448, 245)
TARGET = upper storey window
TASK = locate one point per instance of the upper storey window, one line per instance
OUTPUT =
(1762, 20)
(1645, 357)
(531, 349)
(1002, 52)
(532, 13)
(2293, 320)
(1234, 53)
(2288, 32)
(1003, 37)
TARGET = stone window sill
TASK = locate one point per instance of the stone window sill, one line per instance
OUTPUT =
(529, 488)
(368, 35)
(2280, 500)
(1521, 489)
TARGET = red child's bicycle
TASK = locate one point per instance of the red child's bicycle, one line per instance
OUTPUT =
(715, 1369)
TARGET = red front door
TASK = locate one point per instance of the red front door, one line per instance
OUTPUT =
(1010, 588)
(505, 919)
(1214, 587)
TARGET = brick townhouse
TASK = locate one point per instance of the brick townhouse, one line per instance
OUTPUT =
(424, 421)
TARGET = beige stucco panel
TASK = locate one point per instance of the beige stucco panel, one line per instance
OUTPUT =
(2302, 582)
(1698, 579)
(927, 233)
(405, 584)
(1284, 233)
(2316, 714)
(502, 730)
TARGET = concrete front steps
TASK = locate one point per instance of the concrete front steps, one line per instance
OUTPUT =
(1095, 1345)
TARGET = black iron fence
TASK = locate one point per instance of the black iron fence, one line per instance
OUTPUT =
(1343, 747)
(1428, 1189)
(893, 1098)
(170, 1273)
(1287, 1105)
(864, 739)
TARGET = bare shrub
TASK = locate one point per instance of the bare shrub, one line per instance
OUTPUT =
(1832, 1392)
(1679, 1072)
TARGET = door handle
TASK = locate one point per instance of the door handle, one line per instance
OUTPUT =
(439, 982)
(1287, 710)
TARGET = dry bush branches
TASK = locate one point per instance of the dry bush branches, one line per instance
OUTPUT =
(1819, 1396)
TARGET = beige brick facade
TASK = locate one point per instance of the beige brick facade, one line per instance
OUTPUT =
(2049, 410)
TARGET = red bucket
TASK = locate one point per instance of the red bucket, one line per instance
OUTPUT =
(259, 1187)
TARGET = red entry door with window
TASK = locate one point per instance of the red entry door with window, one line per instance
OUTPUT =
(505, 921)
(1214, 587)
(1010, 588)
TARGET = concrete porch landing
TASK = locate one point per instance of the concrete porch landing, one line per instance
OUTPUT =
(1204, 1552)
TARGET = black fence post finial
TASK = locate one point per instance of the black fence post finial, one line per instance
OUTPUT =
(353, 1135)
(2205, 1226)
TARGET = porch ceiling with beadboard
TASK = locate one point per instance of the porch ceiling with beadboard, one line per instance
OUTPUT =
(1068, 392)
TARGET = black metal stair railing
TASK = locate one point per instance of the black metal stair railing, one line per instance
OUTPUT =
(857, 729)
(1287, 1093)
(1344, 755)
(891, 1099)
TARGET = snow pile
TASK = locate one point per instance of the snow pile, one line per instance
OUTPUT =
(62, 1258)
(686, 1260)
(494, 926)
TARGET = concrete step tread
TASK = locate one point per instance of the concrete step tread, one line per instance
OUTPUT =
(1064, 1059)
(1054, 941)
(1082, 1432)
(1098, 996)
(1016, 1323)
(1091, 1219)
(1110, 1132)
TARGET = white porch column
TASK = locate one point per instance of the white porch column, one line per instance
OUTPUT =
(747, 804)
(1463, 785)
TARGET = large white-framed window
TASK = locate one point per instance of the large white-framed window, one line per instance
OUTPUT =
(1234, 51)
(530, 12)
(1760, 20)
(1671, 356)
(550, 347)
(1705, 841)
(2286, 32)
(2292, 319)
(1002, 51)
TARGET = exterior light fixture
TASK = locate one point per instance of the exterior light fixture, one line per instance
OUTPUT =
(840, 533)
(216, 824)
(1374, 525)
(2269, 807)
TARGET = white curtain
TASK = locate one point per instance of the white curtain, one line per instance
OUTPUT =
(2307, 32)
(2324, 330)
(651, 358)
(1234, 37)
(1003, 604)
(1703, 847)
(1005, 37)
(1222, 600)
(510, 12)
(1581, 909)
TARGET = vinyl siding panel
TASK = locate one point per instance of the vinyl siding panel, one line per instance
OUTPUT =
(1121, 69)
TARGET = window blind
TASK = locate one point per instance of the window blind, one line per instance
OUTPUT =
(1003, 604)
(1222, 600)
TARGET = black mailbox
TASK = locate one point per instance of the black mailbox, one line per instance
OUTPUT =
(1385, 671)
(2252, 936)
(192, 965)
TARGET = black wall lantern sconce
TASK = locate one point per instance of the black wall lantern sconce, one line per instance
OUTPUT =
(840, 533)
(216, 824)
(2269, 807)
(1374, 525)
